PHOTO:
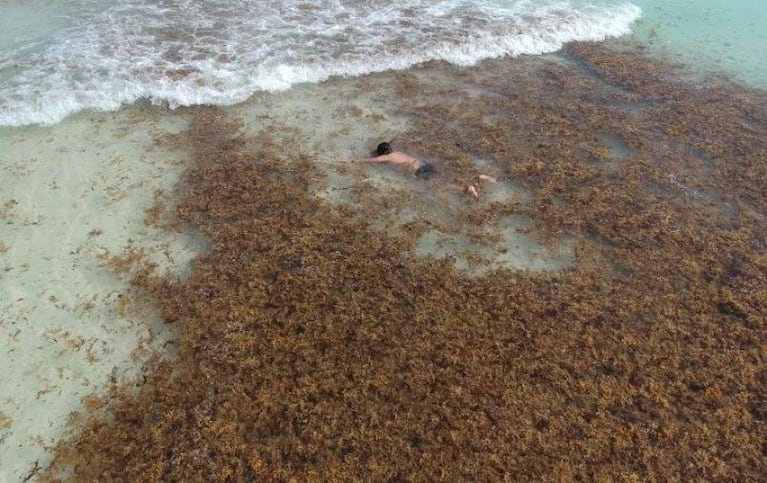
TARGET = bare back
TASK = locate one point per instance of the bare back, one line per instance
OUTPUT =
(398, 158)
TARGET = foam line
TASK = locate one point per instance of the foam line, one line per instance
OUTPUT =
(223, 53)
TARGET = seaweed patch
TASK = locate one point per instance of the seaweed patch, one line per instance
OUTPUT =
(314, 346)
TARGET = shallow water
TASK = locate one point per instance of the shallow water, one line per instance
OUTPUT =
(221, 52)
(721, 38)
(75, 193)
(324, 329)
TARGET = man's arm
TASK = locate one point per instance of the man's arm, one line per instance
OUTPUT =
(383, 158)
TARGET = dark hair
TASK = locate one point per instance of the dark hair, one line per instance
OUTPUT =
(383, 148)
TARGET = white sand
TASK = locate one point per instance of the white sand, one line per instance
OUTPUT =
(71, 195)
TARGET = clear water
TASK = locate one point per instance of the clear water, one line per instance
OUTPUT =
(28, 23)
(722, 37)
(75, 189)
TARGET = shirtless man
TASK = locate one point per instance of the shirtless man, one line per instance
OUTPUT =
(384, 154)
(422, 169)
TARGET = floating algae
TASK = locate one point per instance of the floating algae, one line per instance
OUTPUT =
(314, 347)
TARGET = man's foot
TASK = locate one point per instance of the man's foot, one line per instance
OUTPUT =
(490, 179)
(472, 191)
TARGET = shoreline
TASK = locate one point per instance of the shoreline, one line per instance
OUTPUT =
(604, 188)
(74, 195)
(316, 342)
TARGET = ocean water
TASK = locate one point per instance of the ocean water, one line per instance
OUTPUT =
(84, 87)
(100, 55)
(710, 37)
(58, 57)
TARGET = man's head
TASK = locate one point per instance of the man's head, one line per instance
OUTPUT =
(383, 148)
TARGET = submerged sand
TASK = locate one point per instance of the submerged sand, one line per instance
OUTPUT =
(319, 341)
(72, 196)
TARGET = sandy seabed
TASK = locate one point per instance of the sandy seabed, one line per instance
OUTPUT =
(600, 313)
(72, 196)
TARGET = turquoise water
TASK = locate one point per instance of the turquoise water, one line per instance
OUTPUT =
(720, 37)
(58, 57)
(94, 55)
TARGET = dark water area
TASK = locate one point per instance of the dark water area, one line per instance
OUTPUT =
(317, 342)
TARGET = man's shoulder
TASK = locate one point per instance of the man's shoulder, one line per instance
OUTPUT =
(401, 157)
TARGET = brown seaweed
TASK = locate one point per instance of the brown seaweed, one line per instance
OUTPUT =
(313, 347)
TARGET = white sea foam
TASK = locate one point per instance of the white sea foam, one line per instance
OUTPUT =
(220, 52)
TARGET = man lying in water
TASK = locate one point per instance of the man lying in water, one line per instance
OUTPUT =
(422, 169)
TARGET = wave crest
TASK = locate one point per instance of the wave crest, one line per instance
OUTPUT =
(222, 53)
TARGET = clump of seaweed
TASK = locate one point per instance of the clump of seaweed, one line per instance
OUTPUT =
(312, 347)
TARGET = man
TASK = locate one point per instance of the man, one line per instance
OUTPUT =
(422, 169)
(384, 154)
